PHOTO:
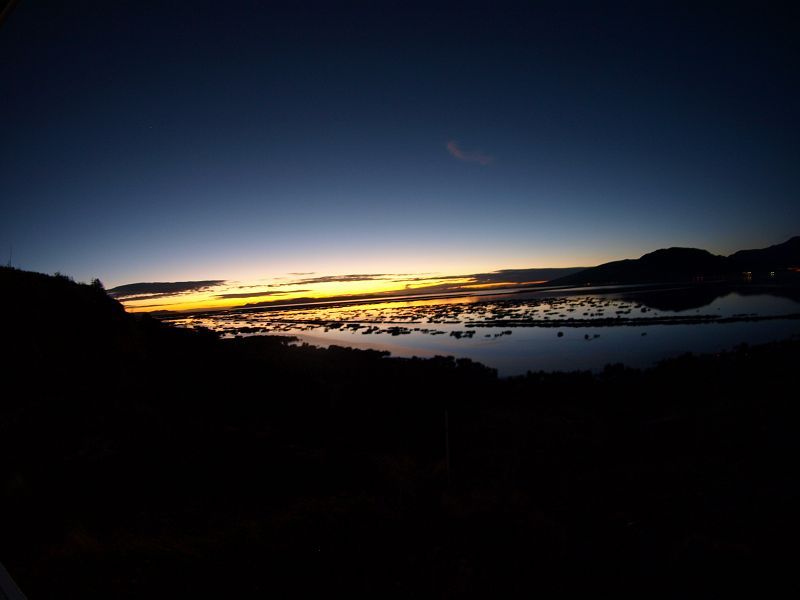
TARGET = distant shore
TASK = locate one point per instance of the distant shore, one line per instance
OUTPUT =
(793, 289)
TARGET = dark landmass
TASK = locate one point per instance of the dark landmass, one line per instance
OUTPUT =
(139, 460)
(779, 263)
(782, 255)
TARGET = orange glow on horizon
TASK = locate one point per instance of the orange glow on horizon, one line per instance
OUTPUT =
(382, 276)
(213, 299)
(502, 284)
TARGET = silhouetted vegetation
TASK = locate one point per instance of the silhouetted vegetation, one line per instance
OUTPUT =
(142, 460)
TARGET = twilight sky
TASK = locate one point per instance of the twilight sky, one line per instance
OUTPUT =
(146, 141)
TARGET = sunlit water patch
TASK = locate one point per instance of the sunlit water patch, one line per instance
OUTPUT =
(517, 333)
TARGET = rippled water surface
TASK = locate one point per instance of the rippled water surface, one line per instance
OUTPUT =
(514, 333)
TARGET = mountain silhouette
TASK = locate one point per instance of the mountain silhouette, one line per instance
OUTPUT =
(779, 256)
(687, 264)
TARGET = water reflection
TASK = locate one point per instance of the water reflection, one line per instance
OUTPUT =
(686, 298)
(564, 329)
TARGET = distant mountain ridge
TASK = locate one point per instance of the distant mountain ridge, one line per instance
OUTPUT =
(686, 264)
(779, 256)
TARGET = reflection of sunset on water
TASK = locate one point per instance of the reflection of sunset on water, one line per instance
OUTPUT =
(529, 330)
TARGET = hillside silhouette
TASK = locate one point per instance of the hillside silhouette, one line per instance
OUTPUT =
(779, 256)
(692, 264)
(142, 460)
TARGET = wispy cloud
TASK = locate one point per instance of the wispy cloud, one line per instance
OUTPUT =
(345, 278)
(444, 284)
(151, 290)
(504, 276)
(257, 294)
(433, 278)
(455, 149)
(275, 294)
(341, 279)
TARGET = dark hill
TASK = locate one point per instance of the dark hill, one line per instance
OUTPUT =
(780, 256)
(662, 265)
(75, 334)
(688, 264)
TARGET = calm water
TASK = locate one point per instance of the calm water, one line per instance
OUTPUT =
(515, 333)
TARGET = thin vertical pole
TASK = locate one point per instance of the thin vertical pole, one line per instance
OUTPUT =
(447, 444)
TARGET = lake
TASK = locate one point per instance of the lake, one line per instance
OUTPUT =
(566, 329)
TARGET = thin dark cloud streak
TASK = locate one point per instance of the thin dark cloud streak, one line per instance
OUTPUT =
(432, 278)
(511, 278)
(341, 279)
(435, 284)
(159, 289)
(257, 294)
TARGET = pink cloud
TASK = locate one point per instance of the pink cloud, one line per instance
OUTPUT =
(469, 156)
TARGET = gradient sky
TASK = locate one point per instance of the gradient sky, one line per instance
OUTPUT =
(173, 141)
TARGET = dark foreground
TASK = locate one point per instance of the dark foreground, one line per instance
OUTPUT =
(139, 460)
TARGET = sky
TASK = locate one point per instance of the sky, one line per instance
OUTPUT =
(158, 141)
(312, 288)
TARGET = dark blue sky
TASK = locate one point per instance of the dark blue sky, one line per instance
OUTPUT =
(162, 140)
